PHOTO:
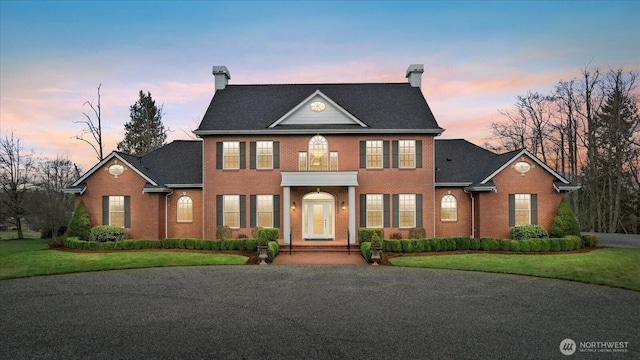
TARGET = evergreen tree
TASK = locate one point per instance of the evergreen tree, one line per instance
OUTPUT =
(564, 223)
(80, 224)
(145, 132)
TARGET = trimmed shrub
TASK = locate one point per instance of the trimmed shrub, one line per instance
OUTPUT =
(515, 245)
(505, 244)
(576, 241)
(223, 233)
(489, 244)
(555, 244)
(106, 233)
(273, 248)
(365, 234)
(396, 236)
(365, 250)
(474, 244)
(418, 245)
(564, 223)
(396, 245)
(434, 245)
(463, 243)
(266, 235)
(590, 240)
(417, 233)
(528, 232)
(407, 246)
(525, 245)
(545, 245)
(80, 224)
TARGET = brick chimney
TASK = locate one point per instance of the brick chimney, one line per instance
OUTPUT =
(222, 76)
(414, 74)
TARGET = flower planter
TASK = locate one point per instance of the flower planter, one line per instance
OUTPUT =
(262, 254)
(375, 255)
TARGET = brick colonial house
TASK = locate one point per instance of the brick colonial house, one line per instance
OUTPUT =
(319, 161)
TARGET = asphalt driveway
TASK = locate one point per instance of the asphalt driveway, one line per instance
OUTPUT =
(302, 312)
(618, 240)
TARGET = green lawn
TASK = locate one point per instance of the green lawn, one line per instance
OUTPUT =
(23, 258)
(610, 266)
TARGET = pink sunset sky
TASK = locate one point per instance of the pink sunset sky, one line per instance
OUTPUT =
(478, 56)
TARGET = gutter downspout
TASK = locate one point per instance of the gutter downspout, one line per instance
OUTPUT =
(473, 215)
(166, 214)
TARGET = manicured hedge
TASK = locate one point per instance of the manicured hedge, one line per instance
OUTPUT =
(173, 243)
(590, 240)
(528, 232)
(567, 243)
(105, 233)
(273, 248)
(365, 234)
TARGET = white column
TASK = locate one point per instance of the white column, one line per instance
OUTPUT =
(352, 214)
(286, 211)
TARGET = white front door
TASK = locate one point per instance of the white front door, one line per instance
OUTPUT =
(318, 219)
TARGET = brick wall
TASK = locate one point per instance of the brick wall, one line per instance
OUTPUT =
(459, 227)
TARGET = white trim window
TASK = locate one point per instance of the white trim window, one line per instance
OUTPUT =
(231, 154)
(407, 210)
(264, 211)
(231, 211)
(264, 154)
(374, 154)
(116, 211)
(407, 153)
(449, 208)
(523, 209)
(185, 209)
(375, 210)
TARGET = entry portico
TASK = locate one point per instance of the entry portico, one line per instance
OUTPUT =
(319, 180)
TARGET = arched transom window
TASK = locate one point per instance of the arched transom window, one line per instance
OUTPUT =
(185, 209)
(318, 153)
(449, 208)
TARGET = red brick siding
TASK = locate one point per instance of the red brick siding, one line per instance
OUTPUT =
(191, 229)
(493, 207)
(460, 227)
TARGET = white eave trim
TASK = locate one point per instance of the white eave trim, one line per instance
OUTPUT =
(178, 186)
(106, 160)
(452, 184)
(76, 189)
(319, 178)
(565, 187)
(534, 159)
(307, 131)
(327, 99)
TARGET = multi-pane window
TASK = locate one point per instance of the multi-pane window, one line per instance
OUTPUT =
(185, 209)
(449, 208)
(318, 153)
(264, 210)
(116, 211)
(231, 154)
(333, 161)
(374, 210)
(407, 153)
(302, 161)
(374, 154)
(523, 209)
(231, 211)
(264, 154)
(407, 210)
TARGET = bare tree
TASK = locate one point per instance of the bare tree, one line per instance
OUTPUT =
(92, 128)
(17, 173)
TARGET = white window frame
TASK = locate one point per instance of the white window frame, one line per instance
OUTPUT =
(184, 203)
(267, 148)
(114, 202)
(302, 161)
(449, 201)
(406, 201)
(333, 161)
(522, 208)
(377, 201)
(379, 153)
(227, 146)
(404, 155)
(264, 205)
(227, 209)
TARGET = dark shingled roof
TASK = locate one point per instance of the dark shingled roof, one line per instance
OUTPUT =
(459, 161)
(179, 162)
(378, 105)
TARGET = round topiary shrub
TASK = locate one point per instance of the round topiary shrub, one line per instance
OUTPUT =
(564, 223)
(528, 232)
(106, 233)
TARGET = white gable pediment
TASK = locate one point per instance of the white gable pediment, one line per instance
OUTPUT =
(318, 109)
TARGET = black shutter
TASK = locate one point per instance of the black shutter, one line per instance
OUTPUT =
(534, 209)
(396, 157)
(396, 210)
(385, 154)
(253, 211)
(219, 158)
(127, 212)
(276, 154)
(512, 210)
(276, 211)
(219, 209)
(243, 211)
(418, 153)
(386, 208)
(363, 154)
(243, 155)
(363, 210)
(252, 155)
(419, 210)
(105, 210)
